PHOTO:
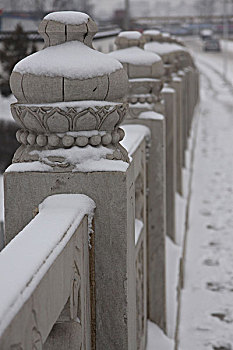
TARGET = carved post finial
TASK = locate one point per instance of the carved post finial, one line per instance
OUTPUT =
(152, 35)
(69, 95)
(145, 71)
(129, 39)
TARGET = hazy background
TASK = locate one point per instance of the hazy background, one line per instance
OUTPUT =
(104, 9)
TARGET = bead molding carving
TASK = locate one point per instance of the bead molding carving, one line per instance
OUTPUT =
(47, 127)
(68, 140)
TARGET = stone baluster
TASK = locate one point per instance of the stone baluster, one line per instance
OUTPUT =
(145, 71)
(169, 52)
(70, 104)
(170, 101)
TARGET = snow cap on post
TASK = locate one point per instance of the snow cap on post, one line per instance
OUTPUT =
(129, 39)
(137, 62)
(152, 35)
(68, 93)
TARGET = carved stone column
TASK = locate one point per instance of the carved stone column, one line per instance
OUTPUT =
(170, 102)
(70, 105)
(146, 71)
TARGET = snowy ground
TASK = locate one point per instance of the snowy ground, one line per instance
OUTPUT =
(215, 60)
(207, 298)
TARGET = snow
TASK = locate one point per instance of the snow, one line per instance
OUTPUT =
(38, 245)
(151, 115)
(181, 204)
(135, 55)
(68, 17)
(84, 159)
(167, 89)
(74, 104)
(73, 60)
(142, 80)
(166, 35)
(156, 339)
(163, 48)
(5, 113)
(29, 166)
(207, 310)
(87, 159)
(130, 35)
(151, 32)
(176, 79)
(134, 134)
(173, 255)
(138, 229)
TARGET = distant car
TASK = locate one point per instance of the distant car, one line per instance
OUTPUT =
(206, 34)
(212, 45)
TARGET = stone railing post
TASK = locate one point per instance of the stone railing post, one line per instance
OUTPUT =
(70, 104)
(170, 103)
(145, 71)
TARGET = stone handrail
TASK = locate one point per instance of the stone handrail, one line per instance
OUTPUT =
(45, 267)
(128, 220)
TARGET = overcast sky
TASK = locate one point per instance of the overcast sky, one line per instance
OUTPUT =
(104, 8)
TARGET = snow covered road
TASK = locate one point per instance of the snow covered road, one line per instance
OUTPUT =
(207, 299)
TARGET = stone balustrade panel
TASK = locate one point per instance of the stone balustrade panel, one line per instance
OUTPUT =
(62, 277)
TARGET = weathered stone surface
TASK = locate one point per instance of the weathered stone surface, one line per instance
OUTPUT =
(145, 86)
(177, 84)
(42, 89)
(169, 96)
(118, 85)
(75, 32)
(49, 119)
(42, 31)
(32, 85)
(67, 277)
(152, 35)
(157, 69)
(92, 29)
(114, 258)
(88, 89)
(56, 32)
(156, 220)
(16, 86)
(136, 71)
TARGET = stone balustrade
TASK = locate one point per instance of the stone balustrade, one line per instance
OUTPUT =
(85, 128)
(45, 270)
(145, 71)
